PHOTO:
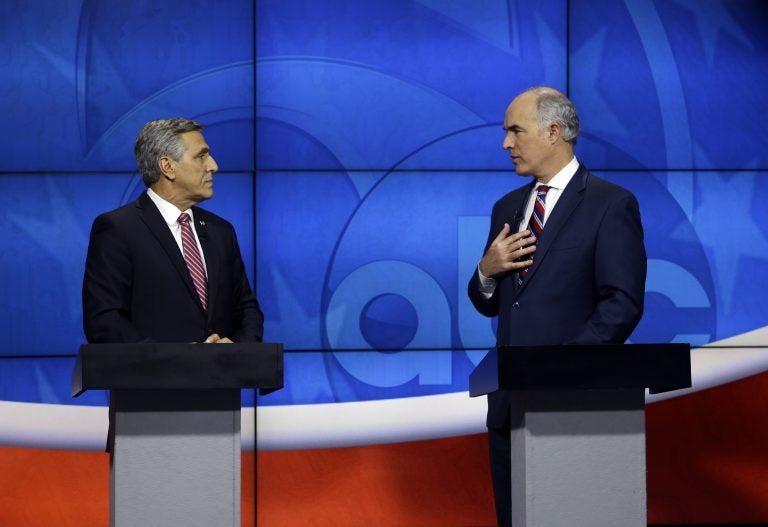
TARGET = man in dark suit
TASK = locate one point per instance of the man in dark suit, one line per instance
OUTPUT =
(148, 276)
(576, 275)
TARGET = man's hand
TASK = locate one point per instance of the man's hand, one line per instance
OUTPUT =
(216, 339)
(508, 253)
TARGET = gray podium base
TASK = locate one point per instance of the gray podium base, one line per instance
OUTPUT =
(175, 458)
(578, 458)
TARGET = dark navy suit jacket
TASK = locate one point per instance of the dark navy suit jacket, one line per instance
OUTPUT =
(587, 282)
(137, 287)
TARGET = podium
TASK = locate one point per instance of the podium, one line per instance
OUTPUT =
(578, 427)
(175, 426)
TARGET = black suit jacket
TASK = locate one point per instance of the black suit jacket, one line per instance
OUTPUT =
(137, 287)
(587, 282)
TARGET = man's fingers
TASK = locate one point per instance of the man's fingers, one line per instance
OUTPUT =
(502, 234)
(521, 235)
(216, 339)
(518, 244)
(508, 252)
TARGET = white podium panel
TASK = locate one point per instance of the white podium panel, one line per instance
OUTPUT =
(175, 458)
(578, 458)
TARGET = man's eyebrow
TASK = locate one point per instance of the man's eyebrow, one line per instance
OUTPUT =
(512, 128)
(202, 151)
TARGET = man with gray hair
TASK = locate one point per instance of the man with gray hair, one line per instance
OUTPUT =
(160, 268)
(564, 262)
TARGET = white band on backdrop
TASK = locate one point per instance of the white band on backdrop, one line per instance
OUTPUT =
(73, 427)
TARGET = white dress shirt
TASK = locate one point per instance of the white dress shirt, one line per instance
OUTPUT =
(556, 186)
(170, 214)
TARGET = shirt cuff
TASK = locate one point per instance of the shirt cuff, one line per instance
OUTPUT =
(487, 284)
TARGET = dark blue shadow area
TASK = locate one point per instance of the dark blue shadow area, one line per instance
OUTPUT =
(670, 84)
(368, 83)
(85, 76)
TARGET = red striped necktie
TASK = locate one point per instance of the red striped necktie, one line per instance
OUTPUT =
(193, 260)
(536, 225)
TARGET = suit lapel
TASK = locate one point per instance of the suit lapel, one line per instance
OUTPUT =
(569, 200)
(156, 224)
(515, 223)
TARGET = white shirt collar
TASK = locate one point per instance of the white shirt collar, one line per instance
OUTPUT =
(168, 210)
(564, 176)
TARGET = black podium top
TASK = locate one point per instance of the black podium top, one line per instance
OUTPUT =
(178, 366)
(659, 367)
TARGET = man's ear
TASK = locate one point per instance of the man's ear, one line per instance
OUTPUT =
(553, 132)
(165, 164)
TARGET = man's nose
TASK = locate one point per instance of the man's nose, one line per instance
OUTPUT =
(507, 143)
(212, 166)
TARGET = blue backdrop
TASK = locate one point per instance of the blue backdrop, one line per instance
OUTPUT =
(360, 153)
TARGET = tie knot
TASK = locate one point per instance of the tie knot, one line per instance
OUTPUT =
(542, 189)
(183, 218)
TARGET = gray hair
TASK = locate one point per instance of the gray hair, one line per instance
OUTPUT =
(554, 107)
(160, 138)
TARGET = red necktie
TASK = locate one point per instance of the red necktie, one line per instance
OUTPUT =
(193, 260)
(536, 225)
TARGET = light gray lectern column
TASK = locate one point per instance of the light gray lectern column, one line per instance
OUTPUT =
(578, 427)
(175, 426)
